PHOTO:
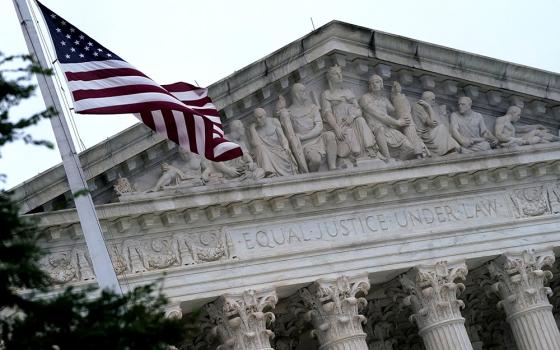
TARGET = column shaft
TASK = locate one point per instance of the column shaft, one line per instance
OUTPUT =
(535, 329)
(449, 335)
(521, 280)
(354, 342)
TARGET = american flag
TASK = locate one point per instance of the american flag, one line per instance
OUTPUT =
(103, 83)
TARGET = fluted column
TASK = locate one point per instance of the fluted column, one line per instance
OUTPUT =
(437, 311)
(240, 319)
(525, 298)
(332, 307)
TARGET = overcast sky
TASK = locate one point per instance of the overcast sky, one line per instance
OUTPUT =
(173, 40)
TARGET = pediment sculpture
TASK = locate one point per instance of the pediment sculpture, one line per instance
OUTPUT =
(339, 130)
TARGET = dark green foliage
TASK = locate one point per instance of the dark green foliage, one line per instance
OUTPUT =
(32, 318)
(18, 254)
(109, 322)
(15, 86)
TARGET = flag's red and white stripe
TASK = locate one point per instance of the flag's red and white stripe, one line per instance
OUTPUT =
(181, 112)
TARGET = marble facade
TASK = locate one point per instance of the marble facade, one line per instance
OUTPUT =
(393, 194)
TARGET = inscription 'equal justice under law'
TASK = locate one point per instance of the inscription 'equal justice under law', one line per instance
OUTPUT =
(368, 223)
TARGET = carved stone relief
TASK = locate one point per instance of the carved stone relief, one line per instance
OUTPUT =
(469, 128)
(509, 134)
(304, 134)
(241, 320)
(135, 256)
(271, 147)
(71, 266)
(530, 201)
(239, 169)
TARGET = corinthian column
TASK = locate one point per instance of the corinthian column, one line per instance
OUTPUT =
(525, 298)
(437, 312)
(333, 309)
(240, 320)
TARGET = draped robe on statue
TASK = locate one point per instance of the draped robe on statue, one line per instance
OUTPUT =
(271, 151)
(437, 138)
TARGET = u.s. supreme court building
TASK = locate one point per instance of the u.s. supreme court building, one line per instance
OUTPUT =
(394, 194)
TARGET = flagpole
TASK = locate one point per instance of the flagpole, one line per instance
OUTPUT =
(102, 264)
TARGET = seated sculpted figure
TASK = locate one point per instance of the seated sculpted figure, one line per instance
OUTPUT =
(241, 168)
(271, 148)
(430, 126)
(469, 129)
(511, 135)
(304, 118)
(343, 115)
(378, 110)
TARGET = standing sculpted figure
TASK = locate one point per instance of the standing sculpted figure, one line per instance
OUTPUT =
(469, 129)
(377, 109)
(430, 126)
(304, 119)
(342, 113)
(241, 168)
(272, 151)
(403, 111)
(510, 135)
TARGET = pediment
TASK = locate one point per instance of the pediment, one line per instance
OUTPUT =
(128, 166)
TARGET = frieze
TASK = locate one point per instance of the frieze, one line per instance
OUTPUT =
(138, 255)
(373, 225)
(337, 121)
(132, 256)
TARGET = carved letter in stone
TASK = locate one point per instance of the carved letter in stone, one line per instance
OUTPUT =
(333, 309)
(241, 168)
(437, 311)
(377, 110)
(271, 147)
(520, 284)
(430, 126)
(304, 118)
(469, 129)
(241, 320)
(342, 113)
(403, 112)
(511, 135)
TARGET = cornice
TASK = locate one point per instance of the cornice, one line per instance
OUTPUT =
(305, 194)
(261, 80)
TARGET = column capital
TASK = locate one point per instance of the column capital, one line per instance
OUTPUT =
(332, 305)
(521, 278)
(240, 319)
(173, 310)
(433, 293)
(520, 284)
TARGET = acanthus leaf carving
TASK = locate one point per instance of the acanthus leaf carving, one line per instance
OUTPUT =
(433, 292)
(521, 279)
(333, 308)
(241, 320)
